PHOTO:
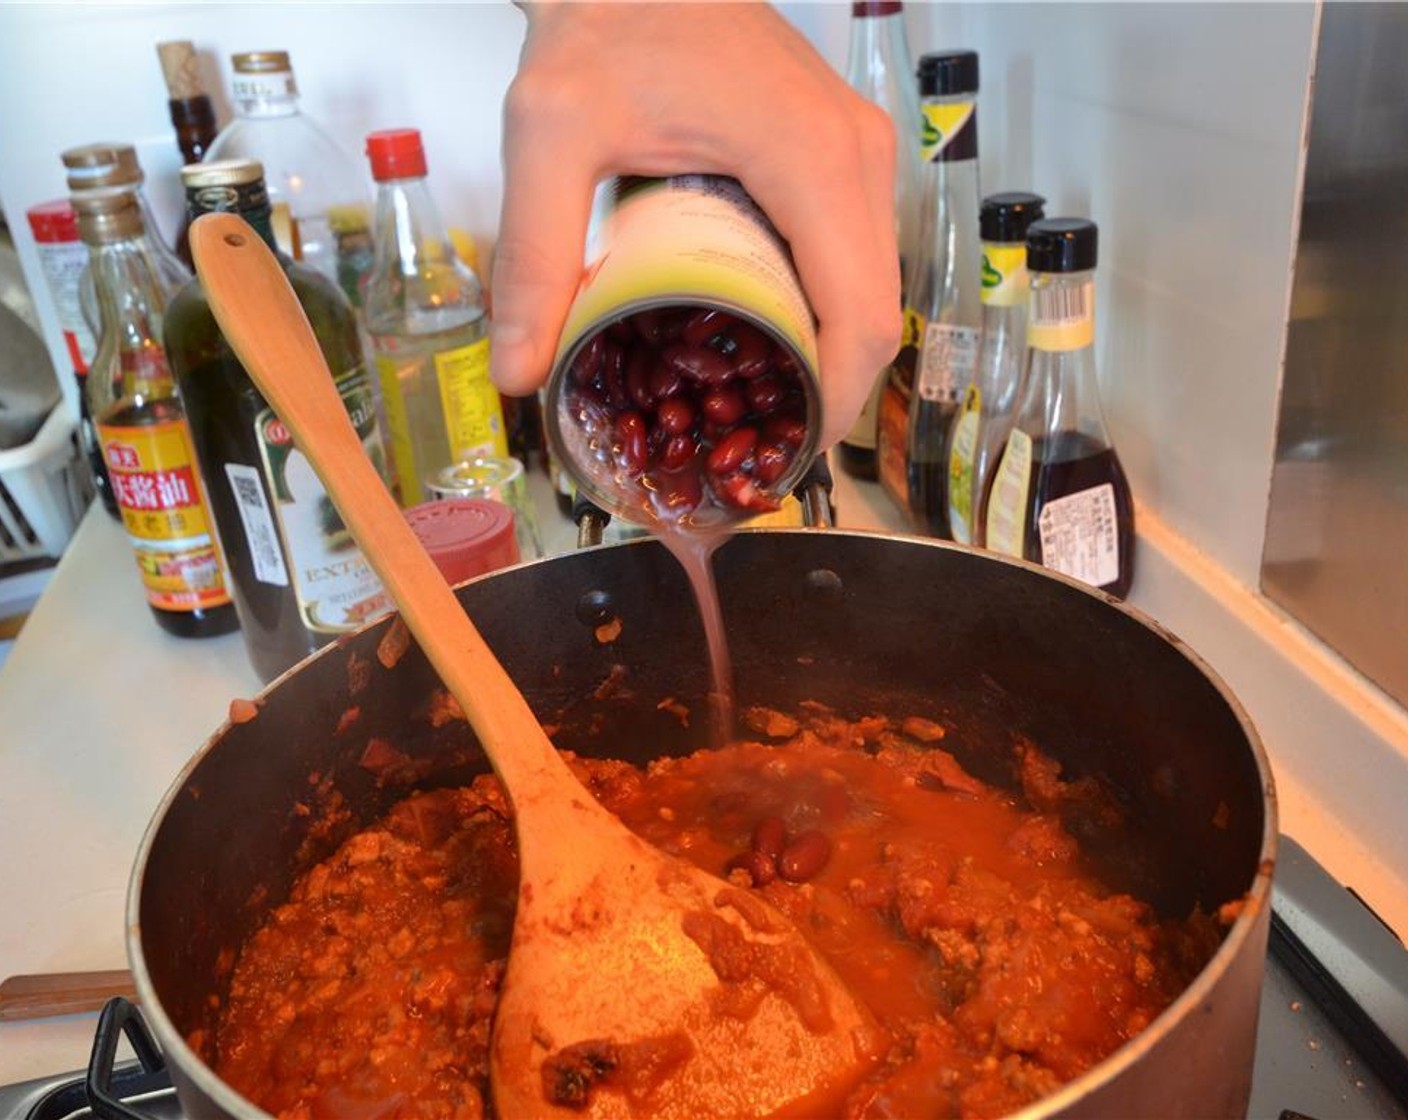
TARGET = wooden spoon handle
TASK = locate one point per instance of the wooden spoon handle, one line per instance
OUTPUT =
(40, 995)
(264, 323)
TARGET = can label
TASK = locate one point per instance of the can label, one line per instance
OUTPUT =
(154, 479)
(335, 587)
(692, 239)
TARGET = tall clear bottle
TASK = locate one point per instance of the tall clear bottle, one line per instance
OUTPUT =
(307, 174)
(142, 430)
(946, 285)
(1060, 496)
(879, 67)
(297, 577)
(425, 314)
(985, 417)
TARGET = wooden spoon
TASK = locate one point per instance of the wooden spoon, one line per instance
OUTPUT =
(636, 983)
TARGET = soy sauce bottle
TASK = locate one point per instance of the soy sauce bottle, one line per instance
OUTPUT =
(1059, 496)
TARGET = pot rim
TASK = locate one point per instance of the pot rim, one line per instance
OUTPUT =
(1257, 897)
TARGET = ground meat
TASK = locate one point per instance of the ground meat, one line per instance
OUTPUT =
(963, 915)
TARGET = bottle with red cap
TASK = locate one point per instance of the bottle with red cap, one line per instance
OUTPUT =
(425, 313)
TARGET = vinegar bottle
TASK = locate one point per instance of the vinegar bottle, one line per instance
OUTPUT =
(425, 313)
(985, 417)
(142, 430)
(879, 67)
(1060, 497)
(945, 306)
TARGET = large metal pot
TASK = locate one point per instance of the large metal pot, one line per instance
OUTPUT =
(864, 623)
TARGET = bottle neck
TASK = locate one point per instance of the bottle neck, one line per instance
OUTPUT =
(194, 121)
(1062, 394)
(878, 59)
(408, 227)
(131, 306)
(271, 94)
(249, 200)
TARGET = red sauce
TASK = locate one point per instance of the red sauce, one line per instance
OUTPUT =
(963, 915)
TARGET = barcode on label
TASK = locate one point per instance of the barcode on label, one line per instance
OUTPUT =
(258, 523)
(1060, 306)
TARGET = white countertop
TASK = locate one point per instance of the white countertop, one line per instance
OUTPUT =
(99, 710)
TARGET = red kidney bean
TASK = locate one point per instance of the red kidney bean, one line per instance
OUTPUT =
(704, 324)
(678, 492)
(771, 462)
(770, 836)
(724, 405)
(614, 376)
(761, 868)
(752, 353)
(675, 416)
(698, 363)
(631, 435)
(765, 393)
(804, 858)
(620, 330)
(657, 324)
(785, 429)
(638, 366)
(665, 381)
(678, 450)
(741, 492)
(784, 362)
(587, 364)
(730, 453)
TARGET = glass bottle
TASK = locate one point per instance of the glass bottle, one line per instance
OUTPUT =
(879, 67)
(192, 115)
(425, 315)
(142, 429)
(101, 170)
(983, 420)
(946, 283)
(297, 577)
(1060, 497)
(306, 172)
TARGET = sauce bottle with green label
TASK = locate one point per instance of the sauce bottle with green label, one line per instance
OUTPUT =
(985, 416)
(425, 312)
(1060, 496)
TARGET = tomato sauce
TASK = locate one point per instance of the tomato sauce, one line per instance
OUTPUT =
(963, 915)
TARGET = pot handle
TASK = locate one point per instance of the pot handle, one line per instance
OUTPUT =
(813, 491)
(121, 1017)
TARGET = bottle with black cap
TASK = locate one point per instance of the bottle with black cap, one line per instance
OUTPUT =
(1060, 496)
(880, 68)
(985, 417)
(945, 309)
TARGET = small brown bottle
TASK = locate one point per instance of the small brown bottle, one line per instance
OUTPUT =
(1059, 496)
(142, 429)
(192, 115)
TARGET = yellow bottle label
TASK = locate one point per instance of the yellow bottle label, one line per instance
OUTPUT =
(942, 122)
(960, 466)
(154, 479)
(1004, 274)
(474, 418)
(913, 329)
(1063, 318)
(1006, 529)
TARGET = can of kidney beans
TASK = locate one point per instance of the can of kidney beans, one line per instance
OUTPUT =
(684, 390)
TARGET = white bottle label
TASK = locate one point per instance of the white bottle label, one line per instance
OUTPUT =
(1006, 527)
(947, 361)
(258, 524)
(962, 509)
(1080, 535)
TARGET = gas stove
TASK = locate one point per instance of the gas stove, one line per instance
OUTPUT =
(1332, 1043)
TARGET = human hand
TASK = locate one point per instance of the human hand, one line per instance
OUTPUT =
(607, 89)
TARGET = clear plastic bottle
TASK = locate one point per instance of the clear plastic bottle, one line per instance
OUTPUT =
(142, 429)
(945, 285)
(425, 313)
(307, 173)
(879, 67)
(1060, 496)
(985, 417)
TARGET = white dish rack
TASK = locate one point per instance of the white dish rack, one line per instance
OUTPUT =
(44, 491)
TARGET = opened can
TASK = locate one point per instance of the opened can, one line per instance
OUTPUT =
(684, 391)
